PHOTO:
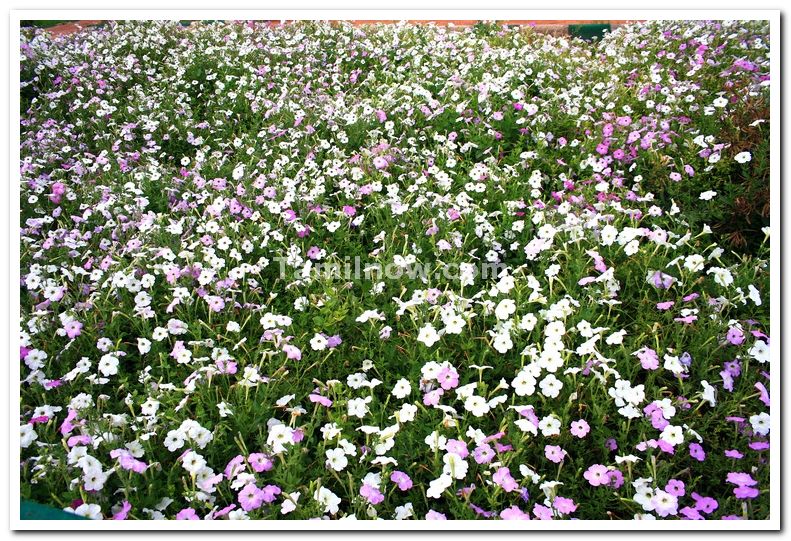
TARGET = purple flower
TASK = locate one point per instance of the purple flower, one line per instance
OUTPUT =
(542, 512)
(67, 425)
(746, 493)
(528, 413)
(690, 514)
(292, 352)
(372, 494)
(597, 475)
(251, 497)
(741, 479)
(234, 467)
(675, 487)
(269, 493)
(73, 328)
(127, 461)
(481, 511)
(735, 336)
(554, 453)
(323, 400)
(658, 420)
(704, 504)
(187, 514)
(503, 478)
(660, 280)
(226, 367)
(458, 447)
(696, 451)
(483, 454)
(123, 512)
(580, 428)
(297, 435)
(649, 359)
(401, 479)
(448, 378)
(685, 359)
(76, 440)
(616, 479)
(564, 505)
(208, 483)
(514, 513)
(224, 511)
(764, 397)
(260, 462)
(216, 303)
(431, 398)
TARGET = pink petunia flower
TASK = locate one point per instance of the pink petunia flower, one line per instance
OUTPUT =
(401, 479)
(503, 478)
(372, 494)
(554, 453)
(251, 497)
(260, 462)
(123, 512)
(187, 514)
(563, 505)
(580, 428)
(514, 513)
(597, 475)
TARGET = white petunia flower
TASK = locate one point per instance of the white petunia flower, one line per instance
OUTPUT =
(108, 365)
(327, 500)
(402, 389)
(318, 342)
(428, 335)
(505, 308)
(336, 459)
(743, 157)
(477, 405)
(760, 351)
(673, 435)
(760, 423)
(439, 485)
(551, 386)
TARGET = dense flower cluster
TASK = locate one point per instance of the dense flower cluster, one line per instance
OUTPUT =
(181, 360)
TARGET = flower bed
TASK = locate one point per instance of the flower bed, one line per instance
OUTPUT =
(393, 271)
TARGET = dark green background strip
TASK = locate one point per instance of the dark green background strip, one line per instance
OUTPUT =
(35, 511)
(589, 31)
